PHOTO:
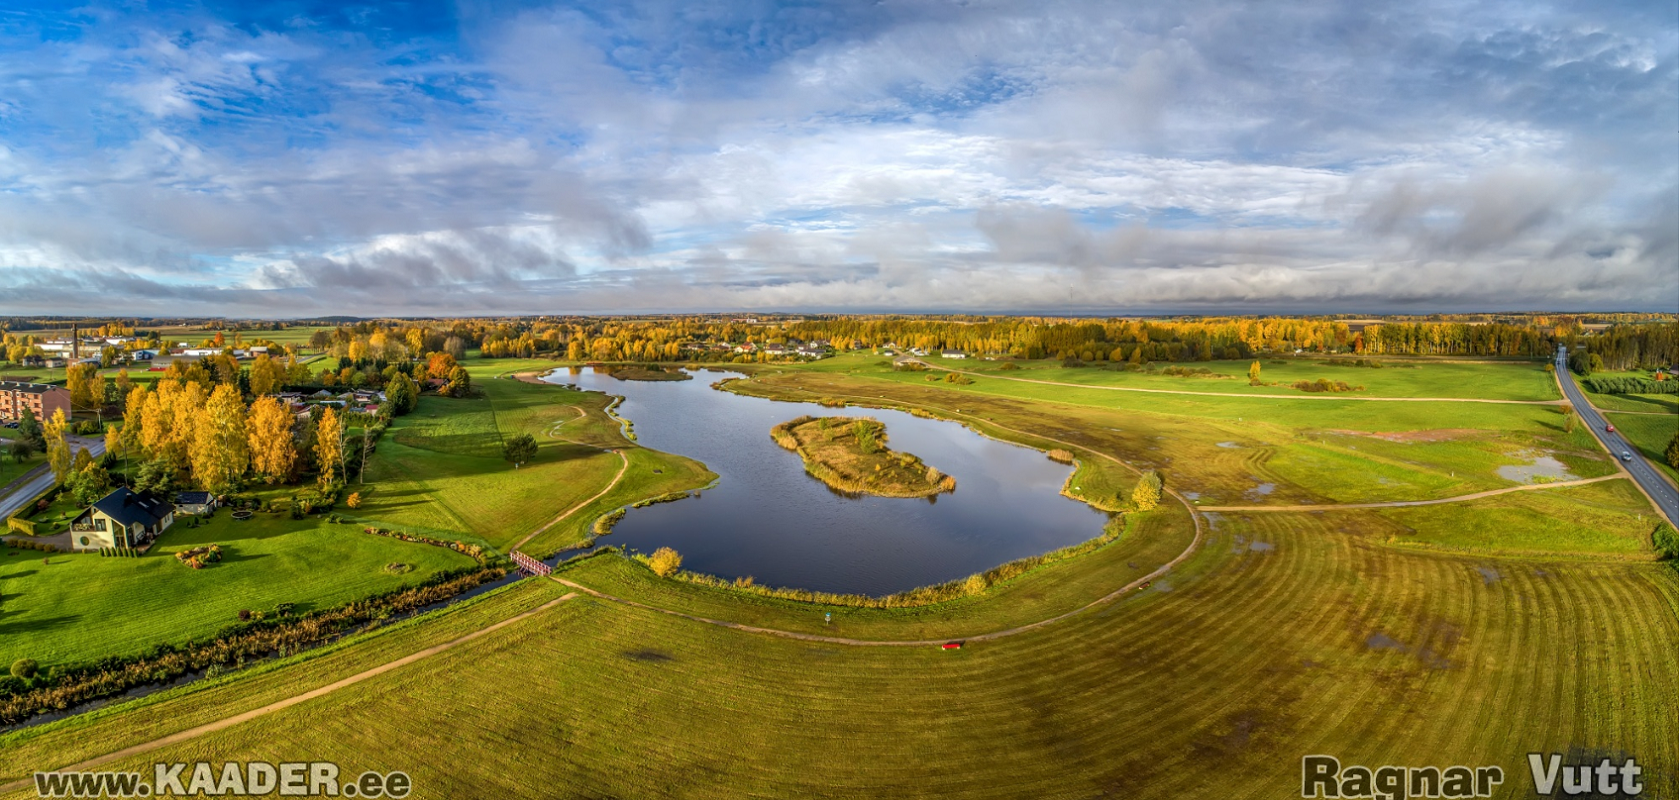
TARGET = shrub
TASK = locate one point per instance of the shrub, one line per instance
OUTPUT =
(24, 668)
(1147, 494)
(975, 584)
(1662, 539)
(1060, 456)
(665, 562)
(244, 615)
(1009, 365)
(354, 501)
(1671, 454)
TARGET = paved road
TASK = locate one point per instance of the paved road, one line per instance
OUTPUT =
(40, 479)
(1654, 484)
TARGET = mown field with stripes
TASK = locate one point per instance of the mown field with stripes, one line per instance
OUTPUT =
(1283, 636)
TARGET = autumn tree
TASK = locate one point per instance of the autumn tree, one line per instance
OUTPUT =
(665, 562)
(460, 383)
(1254, 372)
(329, 447)
(219, 449)
(58, 448)
(269, 431)
(1147, 495)
(86, 385)
(267, 374)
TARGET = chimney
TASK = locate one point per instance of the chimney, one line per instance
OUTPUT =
(76, 342)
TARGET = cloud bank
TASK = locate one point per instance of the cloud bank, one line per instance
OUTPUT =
(466, 158)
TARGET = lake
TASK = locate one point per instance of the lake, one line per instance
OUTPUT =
(768, 519)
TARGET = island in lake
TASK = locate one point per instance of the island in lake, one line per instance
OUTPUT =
(850, 454)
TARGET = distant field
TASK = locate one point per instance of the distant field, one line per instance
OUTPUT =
(1230, 451)
(84, 606)
(1285, 636)
(1498, 381)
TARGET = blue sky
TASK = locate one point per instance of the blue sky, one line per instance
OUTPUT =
(309, 158)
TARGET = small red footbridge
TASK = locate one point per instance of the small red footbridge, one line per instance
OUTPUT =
(529, 565)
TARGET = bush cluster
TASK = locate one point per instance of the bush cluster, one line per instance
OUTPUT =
(197, 557)
(1323, 385)
(1622, 384)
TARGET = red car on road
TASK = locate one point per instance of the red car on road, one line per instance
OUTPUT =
(1610, 428)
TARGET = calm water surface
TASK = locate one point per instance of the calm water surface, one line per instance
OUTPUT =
(768, 519)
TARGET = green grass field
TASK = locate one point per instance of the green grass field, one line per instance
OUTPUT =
(440, 469)
(76, 607)
(1341, 645)
(1461, 633)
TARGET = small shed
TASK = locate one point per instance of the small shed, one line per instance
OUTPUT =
(195, 503)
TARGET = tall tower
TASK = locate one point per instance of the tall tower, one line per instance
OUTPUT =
(76, 341)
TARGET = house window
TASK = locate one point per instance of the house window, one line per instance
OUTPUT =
(99, 523)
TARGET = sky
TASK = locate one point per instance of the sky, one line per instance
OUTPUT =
(299, 159)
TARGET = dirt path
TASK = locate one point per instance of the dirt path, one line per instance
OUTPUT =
(278, 705)
(554, 430)
(1239, 395)
(622, 468)
(1403, 503)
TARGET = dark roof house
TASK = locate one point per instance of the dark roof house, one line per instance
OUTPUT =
(123, 518)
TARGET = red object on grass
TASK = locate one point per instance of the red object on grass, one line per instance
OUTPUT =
(951, 646)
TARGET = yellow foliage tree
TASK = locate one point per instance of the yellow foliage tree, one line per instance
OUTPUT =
(329, 447)
(270, 434)
(219, 449)
(58, 448)
(665, 562)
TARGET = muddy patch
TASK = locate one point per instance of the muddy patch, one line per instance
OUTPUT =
(1490, 575)
(1435, 435)
(649, 656)
(1540, 469)
(1261, 547)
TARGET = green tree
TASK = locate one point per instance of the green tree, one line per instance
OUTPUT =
(1147, 494)
(89, 484)
(156, 476)
(29, 430)
(402, 394)
(520, 449)
(1671, 454)
(460, 383)
(20, 450)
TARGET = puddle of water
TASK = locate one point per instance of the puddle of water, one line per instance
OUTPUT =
(1540, 466)
(1259, 491)
(1489, 575)
(1193, 495)
(1382, 641)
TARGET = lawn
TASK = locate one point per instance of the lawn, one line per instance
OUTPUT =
(76, 607)
(440, 469)
(1284, 637)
